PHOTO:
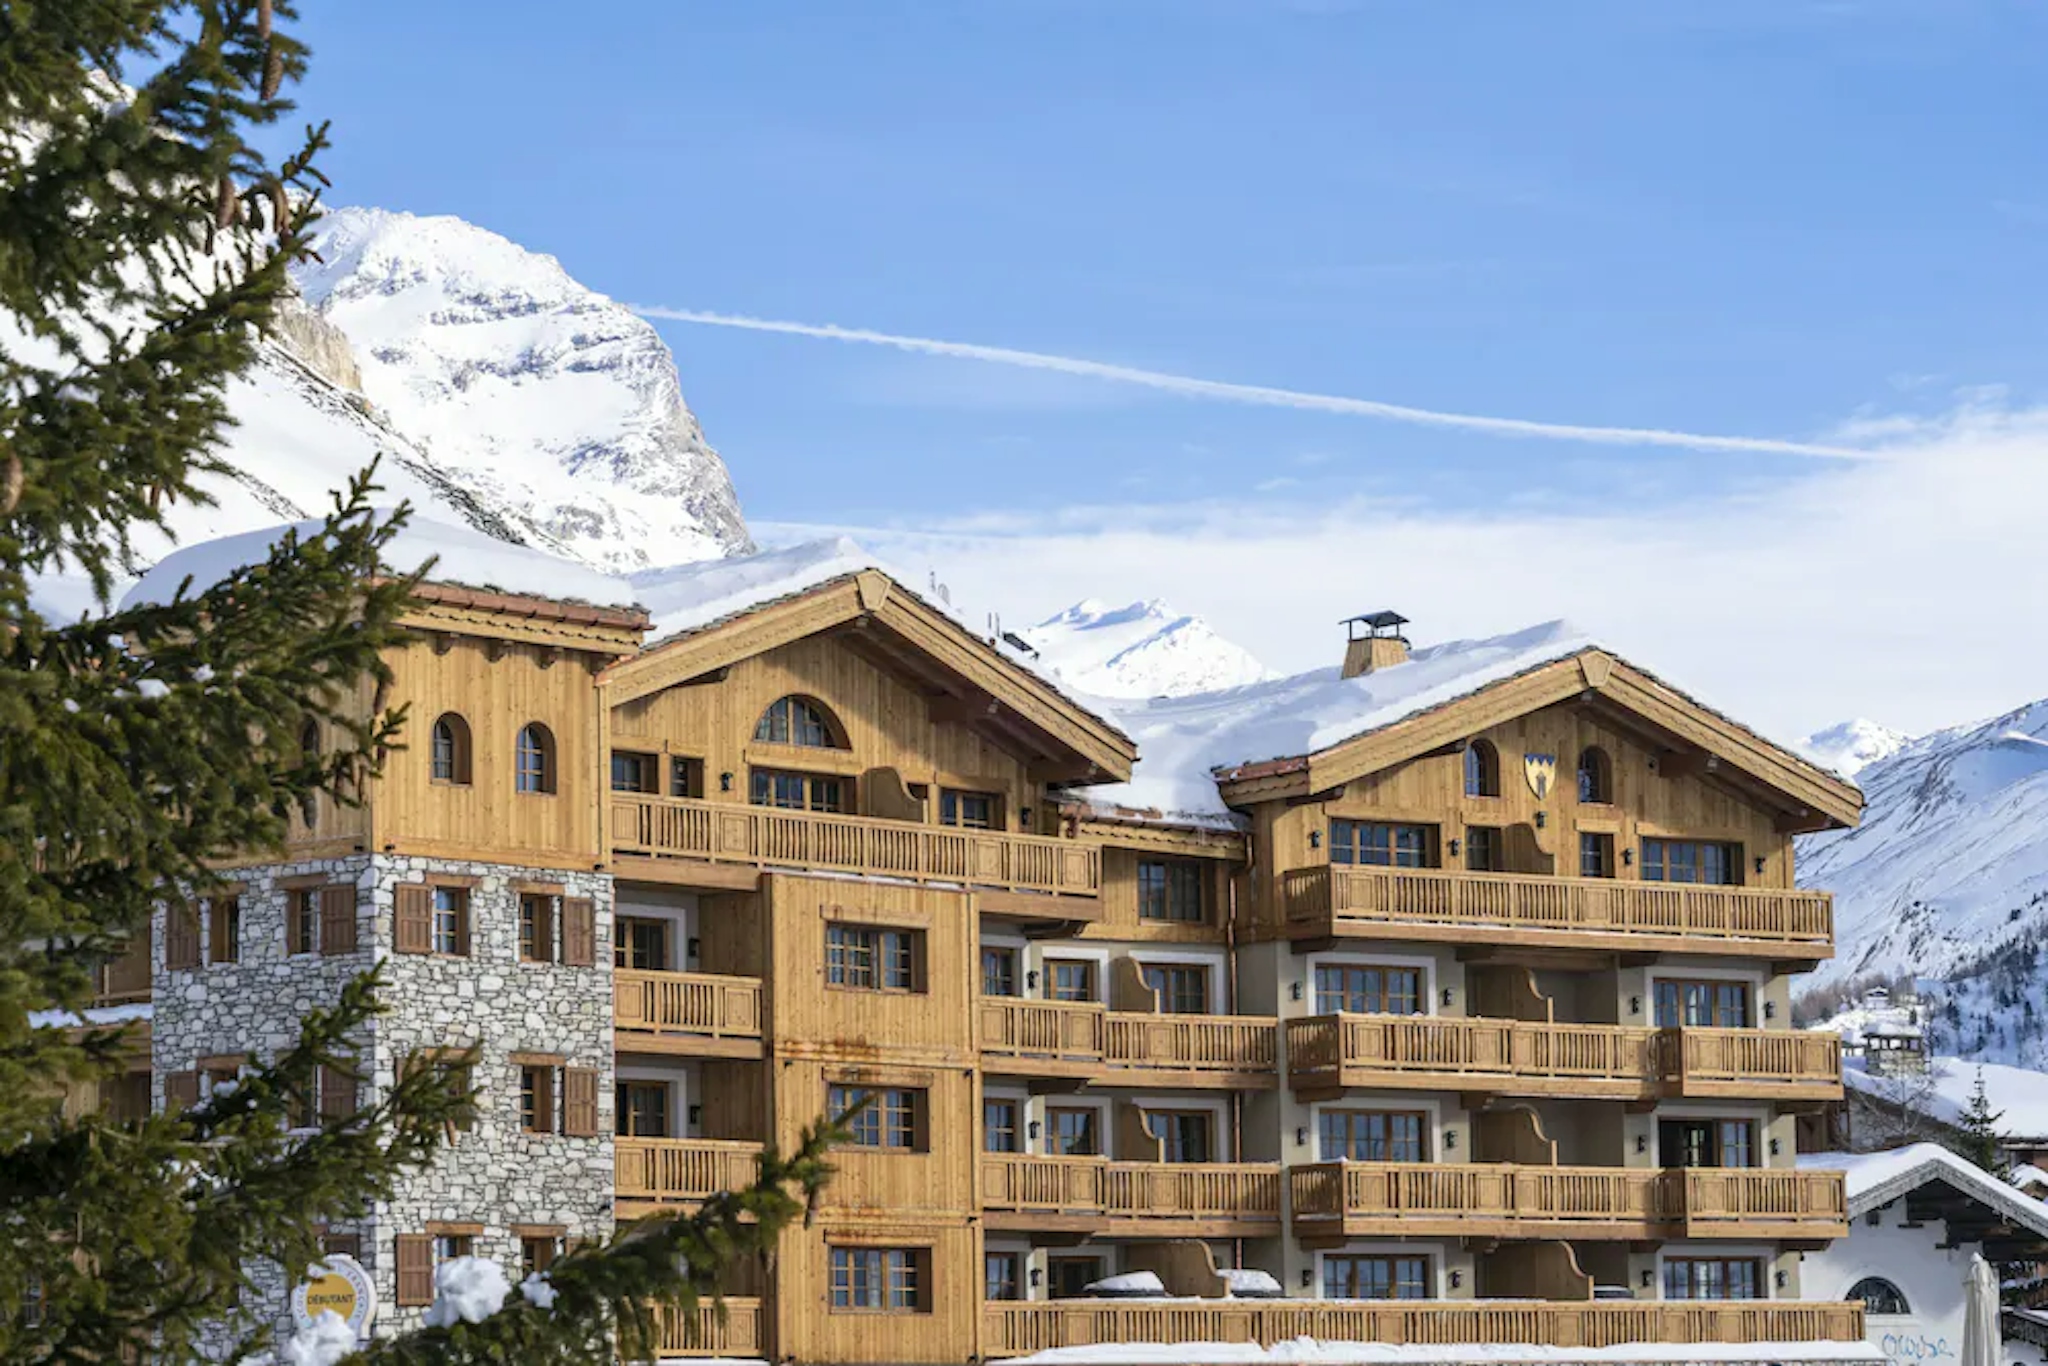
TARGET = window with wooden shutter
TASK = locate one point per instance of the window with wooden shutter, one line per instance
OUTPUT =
(337, 1093)
(181, 1091)
(337, 920)
(224, 929)
(579, 1102)
(415, 1269)
(414, 913)
(579, 931)
(181, 938)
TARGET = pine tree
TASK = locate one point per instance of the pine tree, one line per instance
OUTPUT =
(1977, 1129)
(144, 240)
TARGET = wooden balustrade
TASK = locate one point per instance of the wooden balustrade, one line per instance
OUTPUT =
(1070, 1038)
(766, 836)
(1326, 1053)
(670, 1010)
(706, 1332)
(1017, 1328)
(125, 980)
(1040, 1191)
(1557, 911)
(680, 1171)
(1486, 1199)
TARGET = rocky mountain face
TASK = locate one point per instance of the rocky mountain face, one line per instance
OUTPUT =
(1143, 650)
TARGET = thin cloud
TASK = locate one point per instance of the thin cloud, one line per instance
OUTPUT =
(1263, 395)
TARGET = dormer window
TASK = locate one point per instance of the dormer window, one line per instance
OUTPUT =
(799, 721)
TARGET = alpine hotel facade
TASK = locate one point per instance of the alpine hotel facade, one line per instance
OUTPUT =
(1440, 1026)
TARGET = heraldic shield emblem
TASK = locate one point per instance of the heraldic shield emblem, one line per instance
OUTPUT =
(1541, 770)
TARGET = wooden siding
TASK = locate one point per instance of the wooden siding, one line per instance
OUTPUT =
(688, 1013)
(1127, 1199)
(1021, 1037)
(809, 1329)
(649, 1173)
(1327, 1053)
(1014, 1329)
(125, 980)
(1335, 1200)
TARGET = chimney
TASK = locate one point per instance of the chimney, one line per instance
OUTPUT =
(1374, 641)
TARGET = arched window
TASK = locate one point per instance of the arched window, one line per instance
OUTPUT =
(309, 750)
(1482, 769)
(1596, 776)
(450, 750)
(799, 721)
(1879, 1296)
(536, 763)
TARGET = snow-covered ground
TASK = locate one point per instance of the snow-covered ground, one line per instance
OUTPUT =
(2017, 1094)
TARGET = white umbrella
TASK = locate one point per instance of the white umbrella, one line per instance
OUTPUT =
(1980, 1314)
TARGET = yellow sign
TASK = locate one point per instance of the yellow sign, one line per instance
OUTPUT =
(335, 1284)
(1541, 771)
(330, 1291)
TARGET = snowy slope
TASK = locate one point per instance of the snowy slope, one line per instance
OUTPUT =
(1950, 865)
(1853, 746)
(1144, 650)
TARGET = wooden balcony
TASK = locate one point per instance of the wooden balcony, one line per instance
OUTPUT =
(693, 1014)
(1557, 912)
(1337, 1200)
(1014, 1329)
(736, 835)
(741, 1331)
(1328, 1053)
(662, 1173)
(1021, 1037)
(125, 981)
(1130, 1199)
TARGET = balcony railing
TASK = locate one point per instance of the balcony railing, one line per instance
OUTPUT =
(681, 1171)
(766, 836)
(125, 980)
(679, 1006)
(1559, 910)
(1518, 1057)
(1084, 1038)
(703, 1332)
(1013, 1329)
(1050, 1187)
(1486, 1199)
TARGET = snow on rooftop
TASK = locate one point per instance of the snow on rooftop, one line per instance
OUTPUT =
(1330, 1351)
(1873, 1180)
(460, 555)
(2018, 1094)
(93, 1015)
(689, 597)
(1182, 739)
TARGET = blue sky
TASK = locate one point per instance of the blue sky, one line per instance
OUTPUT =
(1767, 219)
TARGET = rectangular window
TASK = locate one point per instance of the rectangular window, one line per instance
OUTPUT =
(894, 1118)
(1069, 979)
(889, 1280)
(798, 791)
(1171, 889)
(1180, 989)
(536, 927)
(1372, 1136)
(1000, 1132)
(633, 772)
(451, 920)
(1713, 1278)
(1692, 861)
(1485, 849)
(1596, 854)
(1184, 1135)
(1001, 1276)
(1375, 1278)
(449, 1246)
(537, 1099)
(640, 943)
(999, 972)
(1702, 1005)
(867, 958)
(537, 1252)
(641, 1109)
(685, 777)
(1384, 844)
(1706, 1142)
(1368, 989)
(969, 810)
(302, 920)
(1075, 1133)
(1071, 1276)
(224, 929)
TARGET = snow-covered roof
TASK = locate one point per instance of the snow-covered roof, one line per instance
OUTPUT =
(1333, 1352)
(695, 597)
(460, 555)
(1874, 1180)
(92, 1016)
(2018, 1094)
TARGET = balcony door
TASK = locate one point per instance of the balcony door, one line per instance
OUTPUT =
(1373, 1136)
(1698, 1005)
(1184, 1135)
(1707, 1143)
(642, 944)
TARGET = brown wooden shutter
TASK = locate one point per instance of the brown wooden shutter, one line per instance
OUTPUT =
(181, 1091)
(579, 931)
(415, 1269)
(415, 917)
(337, 1093)
(579, 1102)
(544, 1101)
(181, 937)
(337, 920)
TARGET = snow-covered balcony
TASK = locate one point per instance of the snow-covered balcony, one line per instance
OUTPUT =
(1031, 1038)
(1130, 1199)
(1561, 912)
(657, 1173)
(693, 1014)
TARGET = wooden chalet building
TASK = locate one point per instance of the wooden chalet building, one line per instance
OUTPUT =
(1450, 992)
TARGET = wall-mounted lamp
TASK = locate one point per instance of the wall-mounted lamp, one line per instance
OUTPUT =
(1031, 1130)
(725, 782)
(1445, 996)
(1780, 1279)
(1770, 1010)
(1450, 1140)
(1635, 1005)
(1542, 819)
(1294, 991)
(696, 1113)
(1037, 1276)
(1301, 1138)
(1031, 980)
(1775, 1148)
(1759, 863)
(1628, 858)
(1315, 839)
(1649, 1278)
(1308, 1278)
(1642, 1143)
(693, 947)
(1457, 1279)
(1455, 846)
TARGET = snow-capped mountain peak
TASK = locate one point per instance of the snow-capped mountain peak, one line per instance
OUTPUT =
(1852, 746)
(1145, 649)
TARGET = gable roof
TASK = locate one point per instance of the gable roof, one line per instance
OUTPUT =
(1874, 1180)
(722, 611)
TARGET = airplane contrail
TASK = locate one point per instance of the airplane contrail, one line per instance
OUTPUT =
(1260, 394)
